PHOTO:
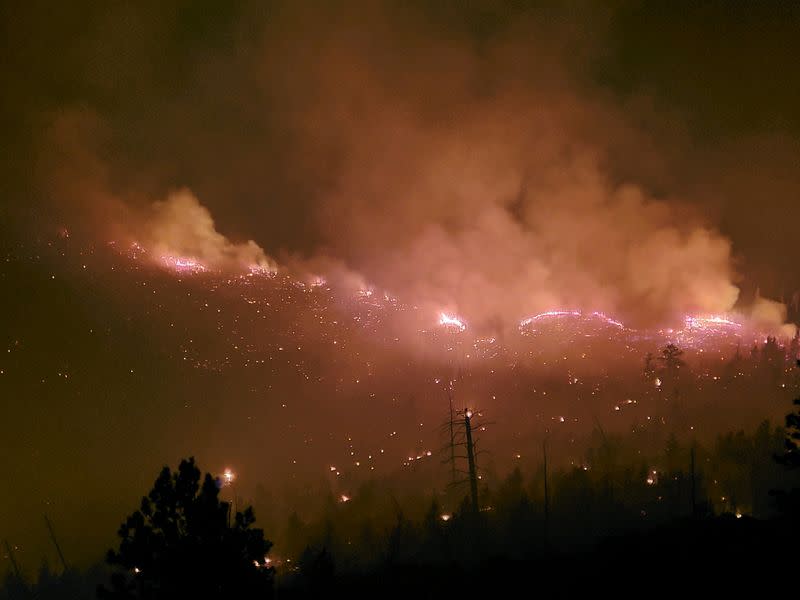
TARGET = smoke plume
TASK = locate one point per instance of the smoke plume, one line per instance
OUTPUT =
(482, 172)
(181, 227)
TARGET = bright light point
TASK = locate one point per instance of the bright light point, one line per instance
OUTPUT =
(344, 498)
(445, 517)
(738, 515)
(468, 413)
(228, 476)
(184, 264)
(452, 322)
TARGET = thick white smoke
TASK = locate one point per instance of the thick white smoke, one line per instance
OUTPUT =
(769, 315)
(506, 205)
(181, 227)
(487, 176)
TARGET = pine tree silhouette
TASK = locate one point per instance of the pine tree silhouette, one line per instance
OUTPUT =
(181, 544)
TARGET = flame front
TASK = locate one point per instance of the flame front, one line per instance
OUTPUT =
(452, 321)
(184, 264)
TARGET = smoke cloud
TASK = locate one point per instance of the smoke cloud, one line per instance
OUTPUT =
(181, 227)
(480, 172)
(770, 315)
(484, 183)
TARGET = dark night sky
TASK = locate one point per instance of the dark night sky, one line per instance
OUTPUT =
(375, 140)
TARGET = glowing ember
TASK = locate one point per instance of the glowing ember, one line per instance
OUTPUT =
(136, 249)
(652, 478)
(452, 322)
(228, 477)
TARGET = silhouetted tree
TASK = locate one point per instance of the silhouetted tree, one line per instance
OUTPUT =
(767, 441)
(790, 501)
(180, 544)
(15, 586)
(434, 540)
(649, 372)
(772, 359)
(296, 531)
(671, 370)
(794, 347)
(317, 569)
(791, 456)
(671, 358)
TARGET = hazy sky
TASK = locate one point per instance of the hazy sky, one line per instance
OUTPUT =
(361, 131)
(493, 158)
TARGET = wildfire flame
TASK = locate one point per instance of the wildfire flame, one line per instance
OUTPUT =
(452, 321)
(550, 313)
(714, 320)
(184, 264)
(266, 270)
(570, 313)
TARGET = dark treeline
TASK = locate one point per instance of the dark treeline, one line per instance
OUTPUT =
(636, 500)
(678, 510)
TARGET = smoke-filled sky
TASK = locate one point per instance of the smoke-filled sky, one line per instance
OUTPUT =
(497, 158)
(489, 159)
